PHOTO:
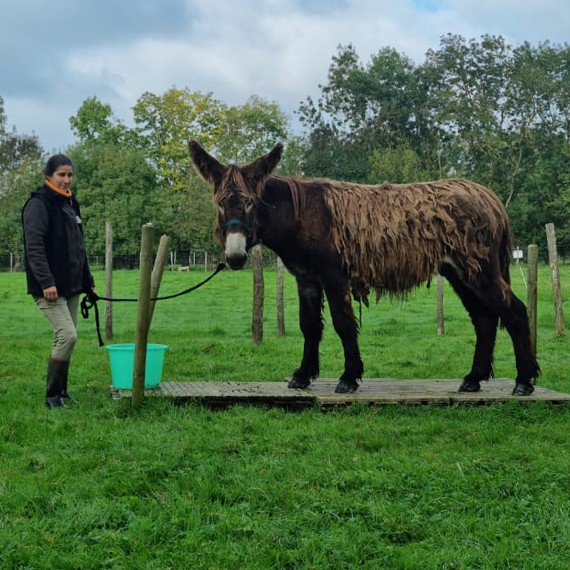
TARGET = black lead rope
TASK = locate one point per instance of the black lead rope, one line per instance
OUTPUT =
(90, 300)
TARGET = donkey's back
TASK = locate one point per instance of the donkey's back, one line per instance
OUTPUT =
(393, 237)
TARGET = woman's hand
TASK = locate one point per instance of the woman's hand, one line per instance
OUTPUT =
(50, 294)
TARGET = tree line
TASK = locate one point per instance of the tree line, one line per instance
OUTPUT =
(479, 108)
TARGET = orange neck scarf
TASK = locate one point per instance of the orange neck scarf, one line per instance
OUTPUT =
(65, 193)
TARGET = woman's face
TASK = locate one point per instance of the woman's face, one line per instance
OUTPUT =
(62, 177)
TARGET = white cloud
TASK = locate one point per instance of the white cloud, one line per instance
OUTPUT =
(277, 49)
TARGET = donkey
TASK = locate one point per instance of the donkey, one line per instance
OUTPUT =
(342, 239)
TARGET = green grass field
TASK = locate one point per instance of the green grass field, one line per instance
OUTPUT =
(101, 485)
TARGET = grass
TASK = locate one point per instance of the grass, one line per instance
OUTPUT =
(102, 485)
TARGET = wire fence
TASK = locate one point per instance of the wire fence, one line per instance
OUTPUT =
(191, 260)
(185, 260)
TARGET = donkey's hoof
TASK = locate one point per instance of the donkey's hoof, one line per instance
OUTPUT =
(346, 387)
(523, 389)
(297, 382)
(470, 385)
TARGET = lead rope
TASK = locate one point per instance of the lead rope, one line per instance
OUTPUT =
(90, 299)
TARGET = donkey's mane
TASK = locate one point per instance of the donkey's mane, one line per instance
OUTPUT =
(232, 179)
(298, 188)
(393, 237)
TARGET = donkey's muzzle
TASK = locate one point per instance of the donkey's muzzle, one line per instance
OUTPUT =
(236, 263)
(236, 254)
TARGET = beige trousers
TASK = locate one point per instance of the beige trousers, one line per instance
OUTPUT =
(62, 315)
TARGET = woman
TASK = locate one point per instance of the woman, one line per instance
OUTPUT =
(56, 265)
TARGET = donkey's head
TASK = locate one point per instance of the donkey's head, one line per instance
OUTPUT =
(237, 193)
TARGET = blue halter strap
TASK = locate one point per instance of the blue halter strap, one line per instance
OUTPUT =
(236, 222)
(248, 229)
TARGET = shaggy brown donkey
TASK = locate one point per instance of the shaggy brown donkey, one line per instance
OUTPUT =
(339, 239)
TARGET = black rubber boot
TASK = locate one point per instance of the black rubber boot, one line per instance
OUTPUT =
(55, 372)
(64, 393)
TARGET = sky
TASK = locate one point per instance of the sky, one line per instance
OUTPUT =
(56, 54)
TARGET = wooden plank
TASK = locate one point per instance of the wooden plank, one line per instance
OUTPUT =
(374, 392)
(378, 392)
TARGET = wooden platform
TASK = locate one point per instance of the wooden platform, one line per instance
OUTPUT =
(321, 393)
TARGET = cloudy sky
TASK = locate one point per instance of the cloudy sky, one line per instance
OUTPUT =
(53, 55)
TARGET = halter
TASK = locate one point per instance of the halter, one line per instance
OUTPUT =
(236, 222)
(241, 223)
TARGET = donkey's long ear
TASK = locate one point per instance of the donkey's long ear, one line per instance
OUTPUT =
(209, 168)
(258, 170)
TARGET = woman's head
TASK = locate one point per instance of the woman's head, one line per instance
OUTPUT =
(59, 171)
(55, 161)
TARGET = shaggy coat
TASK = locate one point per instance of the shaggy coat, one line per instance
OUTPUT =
(339, 238)
(394, 237)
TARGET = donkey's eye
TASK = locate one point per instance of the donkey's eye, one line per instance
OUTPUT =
(248, 207)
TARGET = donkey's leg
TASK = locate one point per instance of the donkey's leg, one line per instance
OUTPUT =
(485, 321)
(514, 317)
(311, 323)
(346, 327)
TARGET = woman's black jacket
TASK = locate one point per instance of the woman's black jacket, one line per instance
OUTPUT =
(54, 250)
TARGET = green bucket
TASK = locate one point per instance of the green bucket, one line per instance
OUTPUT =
(122, 359)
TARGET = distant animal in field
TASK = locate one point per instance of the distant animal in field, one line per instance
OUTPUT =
(340, 239)
(184, 268)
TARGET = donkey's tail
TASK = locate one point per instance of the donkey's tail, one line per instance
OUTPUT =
(504, 259)
(505, 252)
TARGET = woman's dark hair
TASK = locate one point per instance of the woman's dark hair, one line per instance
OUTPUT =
(55, 161)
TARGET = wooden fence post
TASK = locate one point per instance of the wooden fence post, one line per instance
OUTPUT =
(157, 271)
(280, 302)
(532, 293)
(555, 274)
(258, 295)
(108, 280)
(440, 316)
(142, 314)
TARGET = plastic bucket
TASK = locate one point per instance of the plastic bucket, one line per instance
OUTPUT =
(122, 359)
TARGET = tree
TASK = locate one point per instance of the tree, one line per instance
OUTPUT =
(20, 173)
(498, 103)
(365, 111)
(397, 165)
(116, 184)
(470, 83)
(2, 118)
(95, 121)
(250, 130)
(16, 151)
(165, 123)
(18, 182)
